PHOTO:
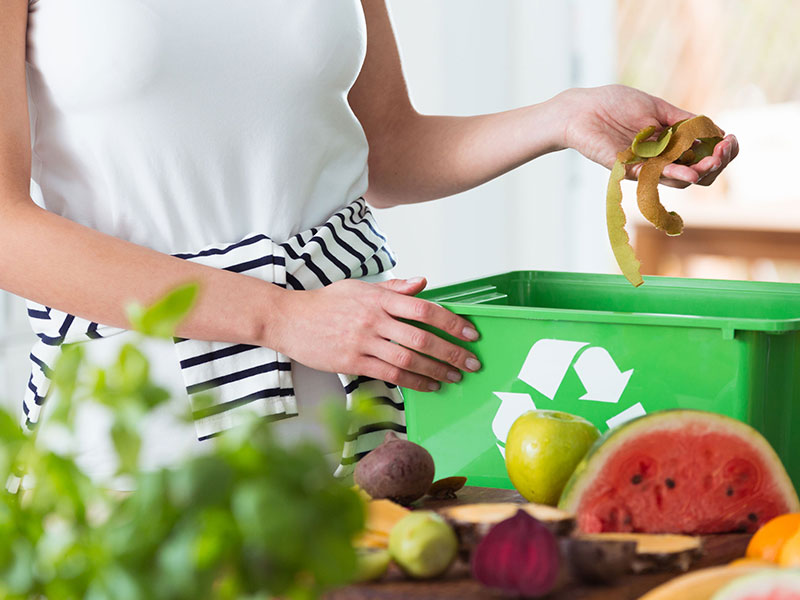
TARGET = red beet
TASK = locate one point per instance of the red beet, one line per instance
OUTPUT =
(518, 556)
(397, 469)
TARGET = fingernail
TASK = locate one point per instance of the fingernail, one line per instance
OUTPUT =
(414, 280)
(454, 376)
(473, 364)
(470, 333)
(433, 386)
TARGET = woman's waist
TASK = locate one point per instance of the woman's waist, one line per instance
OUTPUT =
(188, 220)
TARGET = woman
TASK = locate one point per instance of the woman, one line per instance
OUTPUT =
(166, 133)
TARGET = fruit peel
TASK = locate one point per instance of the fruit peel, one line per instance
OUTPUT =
(598, 563)
(615, 223)
(445, 489)
(647, 190)
(677, 143)
(472, 522)
(644, 148)
(651, 552)
(381, 517)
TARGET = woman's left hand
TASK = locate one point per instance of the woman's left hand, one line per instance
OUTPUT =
(599, 122)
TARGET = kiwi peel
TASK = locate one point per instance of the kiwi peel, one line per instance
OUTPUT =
(644, 148)
(617, 235)
(685, 142)
(472, 522)
(605, 556)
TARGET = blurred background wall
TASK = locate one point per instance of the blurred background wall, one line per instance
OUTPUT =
(467, 57)
(735, 60)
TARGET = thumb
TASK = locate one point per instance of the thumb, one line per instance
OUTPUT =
(669, 114)
(409, 287)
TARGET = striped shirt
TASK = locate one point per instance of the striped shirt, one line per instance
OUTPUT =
(244, 379)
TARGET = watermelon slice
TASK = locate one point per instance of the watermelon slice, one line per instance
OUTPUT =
(679, 471)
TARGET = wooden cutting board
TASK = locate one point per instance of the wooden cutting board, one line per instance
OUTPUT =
(458, 585)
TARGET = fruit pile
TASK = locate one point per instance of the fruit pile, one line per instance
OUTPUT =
(630, 501)
(770, 569)
(421, 543)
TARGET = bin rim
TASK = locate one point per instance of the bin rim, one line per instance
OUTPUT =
(444, 296)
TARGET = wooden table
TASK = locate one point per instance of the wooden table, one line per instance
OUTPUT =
(458, 585)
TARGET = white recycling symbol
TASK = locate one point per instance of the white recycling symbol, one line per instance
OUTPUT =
(544, 369)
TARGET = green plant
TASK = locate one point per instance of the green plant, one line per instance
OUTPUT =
(253, 518)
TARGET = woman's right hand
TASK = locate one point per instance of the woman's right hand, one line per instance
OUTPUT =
(354, 327)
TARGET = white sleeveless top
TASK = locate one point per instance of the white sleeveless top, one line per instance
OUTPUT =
(177, 123)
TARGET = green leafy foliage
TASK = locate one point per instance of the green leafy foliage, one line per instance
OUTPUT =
(161, 318)
(252, 518)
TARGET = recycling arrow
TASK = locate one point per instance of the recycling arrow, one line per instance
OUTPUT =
(544, 369)
(512, 406)
(547, 363)
(600, 376)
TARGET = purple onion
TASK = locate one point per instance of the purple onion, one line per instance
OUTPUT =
(518, 556)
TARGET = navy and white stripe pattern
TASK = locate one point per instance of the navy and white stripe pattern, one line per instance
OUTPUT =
(244, 379)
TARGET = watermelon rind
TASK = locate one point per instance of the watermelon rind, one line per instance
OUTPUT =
(769, 583)
(592, 465)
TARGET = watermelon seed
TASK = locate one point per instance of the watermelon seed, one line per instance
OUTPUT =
(636, 479)
(670, 483)
(729, 491)
(753, 517)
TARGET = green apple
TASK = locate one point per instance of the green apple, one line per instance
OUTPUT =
(423, 544)
(542, 450)
(371, 564)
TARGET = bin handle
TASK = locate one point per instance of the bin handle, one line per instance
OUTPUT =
(476, 295)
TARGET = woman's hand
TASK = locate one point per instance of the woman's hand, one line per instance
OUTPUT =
(353, 327)
(599, 122)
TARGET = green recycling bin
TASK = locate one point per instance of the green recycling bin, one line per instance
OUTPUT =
(595, 346)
